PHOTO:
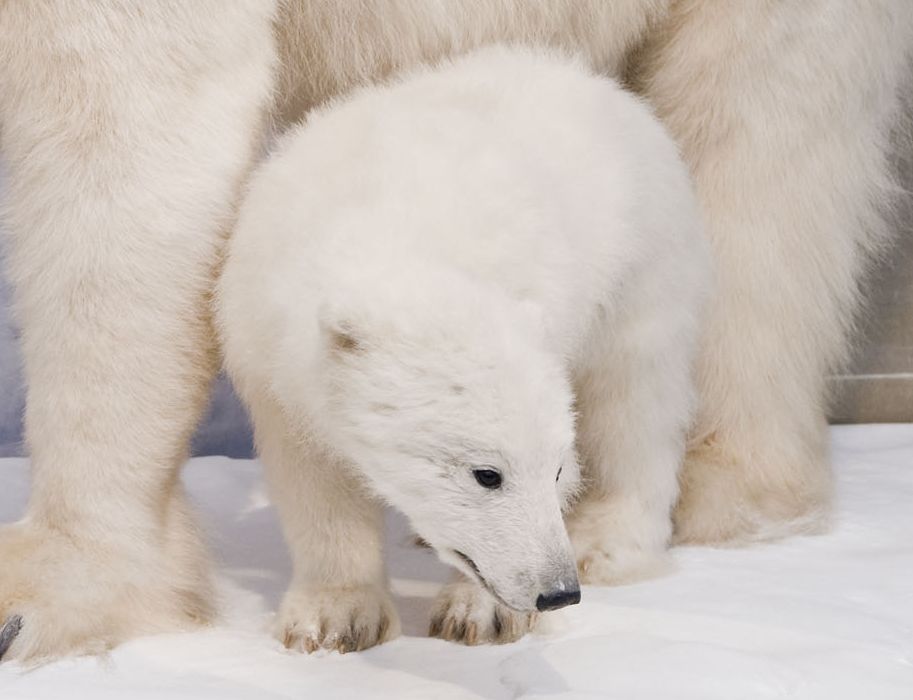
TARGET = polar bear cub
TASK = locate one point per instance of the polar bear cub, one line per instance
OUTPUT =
(458, 293)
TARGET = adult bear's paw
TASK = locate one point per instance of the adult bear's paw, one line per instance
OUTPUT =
(60, 595)
(727, 501)
(337, 619)
(466, 613)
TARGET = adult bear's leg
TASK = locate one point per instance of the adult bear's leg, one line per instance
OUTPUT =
(127, 129)
(783, 111)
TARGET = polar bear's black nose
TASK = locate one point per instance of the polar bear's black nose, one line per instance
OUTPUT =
(557, 599)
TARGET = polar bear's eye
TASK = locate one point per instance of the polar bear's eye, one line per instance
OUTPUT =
(558, 475)
(488, 478)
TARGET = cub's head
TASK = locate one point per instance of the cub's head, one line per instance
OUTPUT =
(462, 421)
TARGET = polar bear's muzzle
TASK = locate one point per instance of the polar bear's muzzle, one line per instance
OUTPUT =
(558, 599)
(559, 594)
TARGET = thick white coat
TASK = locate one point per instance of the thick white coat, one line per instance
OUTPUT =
(432, 277)
(128, 128)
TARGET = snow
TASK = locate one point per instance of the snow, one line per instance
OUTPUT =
(816, 617)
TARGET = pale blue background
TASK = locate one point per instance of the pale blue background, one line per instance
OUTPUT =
(225, 431)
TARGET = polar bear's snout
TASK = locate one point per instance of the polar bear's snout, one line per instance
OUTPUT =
(557, 599)
(537, 574)
(566, 594)
(553, 592)
(560, 589)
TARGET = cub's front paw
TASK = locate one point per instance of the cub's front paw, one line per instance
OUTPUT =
(466, 613)
(337, 619)
(617, 546)
(611, 565)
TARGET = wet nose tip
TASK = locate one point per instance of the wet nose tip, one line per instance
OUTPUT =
(557, 599)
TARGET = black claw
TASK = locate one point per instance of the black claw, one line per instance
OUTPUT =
(460, 634)
(347, 643)
(8, 634)
(497, 623)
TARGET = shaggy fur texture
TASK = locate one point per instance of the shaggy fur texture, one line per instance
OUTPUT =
(127, 129)
(421, 280)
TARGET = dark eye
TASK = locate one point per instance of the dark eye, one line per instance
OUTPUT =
(488, 478)
(558, 476)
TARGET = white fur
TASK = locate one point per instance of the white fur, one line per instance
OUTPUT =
(125, 154)
(787, 132)
(421, 276)
(128, 127)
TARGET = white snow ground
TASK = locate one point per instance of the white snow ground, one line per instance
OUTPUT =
(818, 617)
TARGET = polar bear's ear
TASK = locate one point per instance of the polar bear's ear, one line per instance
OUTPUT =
(340, 335)
(343, 339)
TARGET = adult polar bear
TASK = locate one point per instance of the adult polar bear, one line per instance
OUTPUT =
(128, 130)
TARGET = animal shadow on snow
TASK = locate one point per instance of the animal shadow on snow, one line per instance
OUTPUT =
(249, 549)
